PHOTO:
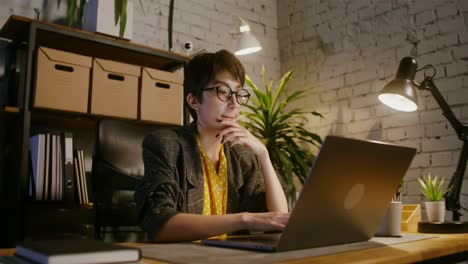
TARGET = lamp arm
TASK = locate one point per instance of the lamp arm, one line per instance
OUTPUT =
(452, 197)
(428, 84)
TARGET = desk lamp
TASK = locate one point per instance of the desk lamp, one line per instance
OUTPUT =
(400, 94)
(246, 43)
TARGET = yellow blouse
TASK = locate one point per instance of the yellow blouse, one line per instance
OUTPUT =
(214, 183)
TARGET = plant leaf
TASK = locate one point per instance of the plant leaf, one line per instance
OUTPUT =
(71, 12)
(81, 12)
(281, 86)
(117, 11)
(142, 8)
(123, 18)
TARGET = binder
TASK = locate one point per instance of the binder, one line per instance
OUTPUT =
(53, 167)
(37, 147)
(60, 166)
(47, 173)
(68, 175)
(32, 183)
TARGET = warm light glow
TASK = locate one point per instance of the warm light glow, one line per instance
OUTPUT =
(248, 50)
(244, 28)
(398, 102)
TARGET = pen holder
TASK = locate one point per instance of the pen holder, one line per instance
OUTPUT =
(410, 217)
(391, 223)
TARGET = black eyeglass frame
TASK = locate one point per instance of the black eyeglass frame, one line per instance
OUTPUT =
(231, 93)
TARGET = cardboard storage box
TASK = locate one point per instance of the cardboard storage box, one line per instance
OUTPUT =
(162, 97)
(62, 80)
(114, 89)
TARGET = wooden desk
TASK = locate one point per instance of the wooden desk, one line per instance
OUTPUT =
(444, 248)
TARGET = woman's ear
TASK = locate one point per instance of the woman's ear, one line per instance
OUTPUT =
(192, 101)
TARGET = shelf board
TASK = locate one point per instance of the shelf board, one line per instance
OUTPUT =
(58, 205)
(11, 109)
(9, 112)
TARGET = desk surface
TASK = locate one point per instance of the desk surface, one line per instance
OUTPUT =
(443, 245)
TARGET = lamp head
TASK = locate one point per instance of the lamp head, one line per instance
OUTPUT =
(246, 42)
(400, 93)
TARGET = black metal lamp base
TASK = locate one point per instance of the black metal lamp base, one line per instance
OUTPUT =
(443, 227)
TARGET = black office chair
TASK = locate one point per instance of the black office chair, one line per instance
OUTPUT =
(117, 167)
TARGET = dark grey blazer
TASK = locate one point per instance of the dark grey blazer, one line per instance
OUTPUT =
(173, 180)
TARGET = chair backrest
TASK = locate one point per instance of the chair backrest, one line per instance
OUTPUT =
(117, 167)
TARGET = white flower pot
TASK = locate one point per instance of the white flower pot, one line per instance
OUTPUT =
(435, 211)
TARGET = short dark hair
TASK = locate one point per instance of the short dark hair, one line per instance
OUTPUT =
(203, 68)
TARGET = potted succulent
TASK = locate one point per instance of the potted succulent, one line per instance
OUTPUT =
(433, 190)
(281, 128)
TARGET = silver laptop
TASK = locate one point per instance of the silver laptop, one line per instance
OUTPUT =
(350, 184)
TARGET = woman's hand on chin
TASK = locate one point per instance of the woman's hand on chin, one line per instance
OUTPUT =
(236, 134)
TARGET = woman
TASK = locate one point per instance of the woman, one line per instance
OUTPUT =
(211, 177)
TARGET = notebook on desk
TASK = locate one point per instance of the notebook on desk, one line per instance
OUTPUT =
(349, 186)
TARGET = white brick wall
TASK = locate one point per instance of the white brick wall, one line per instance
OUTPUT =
(362, 42)
(346, 49)
(206, 23)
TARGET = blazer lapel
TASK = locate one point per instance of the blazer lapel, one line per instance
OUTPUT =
(193, 170)
(235, 179)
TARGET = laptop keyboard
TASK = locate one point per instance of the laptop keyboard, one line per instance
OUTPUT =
(264, 239)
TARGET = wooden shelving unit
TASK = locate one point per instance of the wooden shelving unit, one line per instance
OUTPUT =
(22, 120)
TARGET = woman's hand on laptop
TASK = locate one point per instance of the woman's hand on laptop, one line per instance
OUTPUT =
(271, 221)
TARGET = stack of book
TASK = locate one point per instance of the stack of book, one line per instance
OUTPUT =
(51, 166)
(75, 251)
(57, 169)
(80, 177)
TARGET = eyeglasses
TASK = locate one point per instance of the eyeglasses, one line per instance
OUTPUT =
(225, 94)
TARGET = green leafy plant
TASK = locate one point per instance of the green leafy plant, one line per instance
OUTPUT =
(433, 188)
(282, 129)
(76, 10)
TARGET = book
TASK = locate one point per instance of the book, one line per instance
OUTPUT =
(47, 167)
(53, 167)
(83, 175)
(37, 148)
(78, 180)
(76, 251)
(68, 178)
(60, 167)
(32, 184)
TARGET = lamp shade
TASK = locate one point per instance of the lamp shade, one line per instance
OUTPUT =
(400, 93)
(246, 42)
